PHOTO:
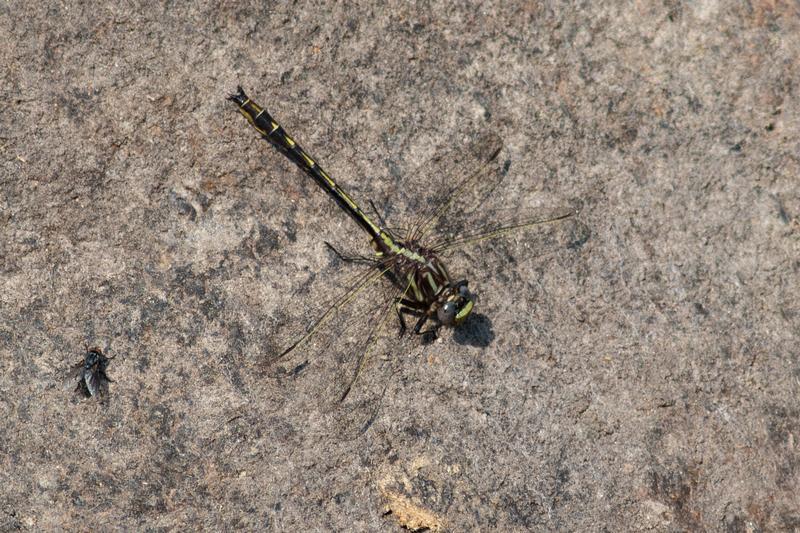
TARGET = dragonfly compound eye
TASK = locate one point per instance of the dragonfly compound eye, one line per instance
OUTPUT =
(455, 311)
(463, 291)
(447, 313)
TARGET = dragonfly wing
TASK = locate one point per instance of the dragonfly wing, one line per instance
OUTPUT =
(501, 228)
(361, 282)
(455, 175)
(341, 340)
(371, 341)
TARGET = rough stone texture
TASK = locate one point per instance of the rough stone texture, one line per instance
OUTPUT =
(644, 379)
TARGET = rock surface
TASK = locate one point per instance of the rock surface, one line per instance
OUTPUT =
(636, 368)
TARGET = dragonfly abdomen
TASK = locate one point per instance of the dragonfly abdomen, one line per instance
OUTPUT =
(273, 132)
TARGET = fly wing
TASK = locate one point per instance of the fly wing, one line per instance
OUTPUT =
(94, 379)
(102, 387)
(74, 379)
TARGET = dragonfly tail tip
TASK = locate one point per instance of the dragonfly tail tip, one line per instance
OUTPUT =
(239, 96)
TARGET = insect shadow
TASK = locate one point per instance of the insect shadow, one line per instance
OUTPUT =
(476, 331)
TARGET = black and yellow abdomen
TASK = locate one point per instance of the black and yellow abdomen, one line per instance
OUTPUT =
(263, 122)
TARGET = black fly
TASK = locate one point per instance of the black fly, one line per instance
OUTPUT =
(91, 374)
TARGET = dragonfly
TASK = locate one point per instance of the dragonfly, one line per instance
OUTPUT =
(408, 260)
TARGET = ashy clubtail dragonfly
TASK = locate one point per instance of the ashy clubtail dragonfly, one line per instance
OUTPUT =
(425, 289)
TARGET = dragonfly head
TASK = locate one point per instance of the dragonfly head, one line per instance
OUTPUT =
(457, 306)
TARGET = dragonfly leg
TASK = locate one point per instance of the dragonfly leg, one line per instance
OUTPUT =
(420, 310)
(377, 213)
(350, 258)
(400, 318)
(431, 333)
(413, 305)
(405, 307)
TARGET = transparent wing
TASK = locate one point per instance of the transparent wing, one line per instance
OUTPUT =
(503, 227)
(464, 182)
(334, 349)
(371, 343)
(467, 212)
(361, 282)
(72, 382)
(94, 381)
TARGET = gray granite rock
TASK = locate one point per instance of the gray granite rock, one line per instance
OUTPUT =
(634, 369)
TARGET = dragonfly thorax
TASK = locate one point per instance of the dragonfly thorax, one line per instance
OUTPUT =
(428, 285)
